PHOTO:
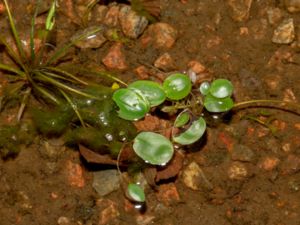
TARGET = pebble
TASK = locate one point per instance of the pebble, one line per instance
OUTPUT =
(142, 72)
(168, 194)
(274, 15)
(285, 32)
(132, 24)
(269, 163)
(75, 174)
(240, 9)
(238, 171)
(115, 59)
(106, 181)
(99, 13)
(112, 15)
(95, 40)
(291, 165)
(161, 35)
(165, 62)
(109, 212)
(292, 5)
(63, 220)
(194, 178)
(242, 153)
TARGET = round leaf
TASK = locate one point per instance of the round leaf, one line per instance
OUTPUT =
(153, 148)
(213, 104)
(151, 90)
(177, 86)
(221, 88)
(204, 88)
(193, 133)
(135, 193)
(132, 105)
(182, 119)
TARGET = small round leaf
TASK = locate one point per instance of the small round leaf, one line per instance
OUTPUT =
(132, 105)
(221, 88)
(151, 90)
(182, 119)
(153, 148)
(193, 133)
(216, 105)
(177, 86)
(204, 88)
(135, 193)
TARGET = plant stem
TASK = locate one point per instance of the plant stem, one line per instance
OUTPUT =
(257, 101)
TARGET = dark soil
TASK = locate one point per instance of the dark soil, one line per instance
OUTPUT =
(48, 183)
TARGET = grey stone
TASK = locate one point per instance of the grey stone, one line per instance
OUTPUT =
(106, 181)
(242, 153)
(94, 40)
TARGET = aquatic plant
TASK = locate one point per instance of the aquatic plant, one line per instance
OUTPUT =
(175, 94)
(57, 98)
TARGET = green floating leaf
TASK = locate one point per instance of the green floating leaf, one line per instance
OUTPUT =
(153, 148)
(151, 90)
(213, 104)
(182, 119)
(133, 106)
(221, 88)
(204, 88)
(135, 193)
(177, 86)
(193, 133)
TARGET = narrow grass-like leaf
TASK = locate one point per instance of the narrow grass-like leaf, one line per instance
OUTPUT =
(12, 54)
(32, 31)
(62, 50)
(153, 148)
(23, 103)
(67, 74)
(74, 107)
(192, 134)
(14, 31)
(13, 70)
(50, 20)
(46, 93)
(56, 83)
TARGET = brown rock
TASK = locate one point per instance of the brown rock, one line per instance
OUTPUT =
(168, 194)
(196, 66)
(242, 153)
(291, 165)
(239, 9)
(269, 163)
(112, 15)
(292, 5)
(165, 62)
(99, 13)
(75, 174)
(285, 32)
(132, 24)
(142, 72)
(108, 213)
(161, 35)
(115, 58)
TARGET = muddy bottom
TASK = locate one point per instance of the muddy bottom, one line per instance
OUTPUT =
(245, 172)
